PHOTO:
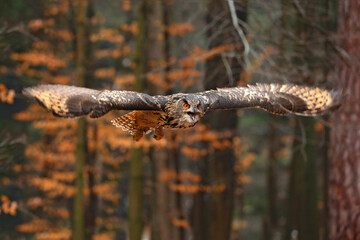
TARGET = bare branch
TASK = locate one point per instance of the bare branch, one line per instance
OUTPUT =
(241, 33)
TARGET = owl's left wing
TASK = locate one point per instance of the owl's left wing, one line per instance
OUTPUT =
(274, 98)
(71, 101)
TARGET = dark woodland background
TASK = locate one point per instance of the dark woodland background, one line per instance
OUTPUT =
(237, 175)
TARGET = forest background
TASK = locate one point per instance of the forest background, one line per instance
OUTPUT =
(237, 175)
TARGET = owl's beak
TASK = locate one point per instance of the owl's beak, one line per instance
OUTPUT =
(192, 115)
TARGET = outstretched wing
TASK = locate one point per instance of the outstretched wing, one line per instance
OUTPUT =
(71, 101)
(274, 98)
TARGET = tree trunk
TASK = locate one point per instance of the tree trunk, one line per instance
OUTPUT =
(271, 219)
(344, 154)
(309, 228)
(136, 153)
(302, 215)
(212, 213)
(82, 150)
(136, 194)
(91, 206)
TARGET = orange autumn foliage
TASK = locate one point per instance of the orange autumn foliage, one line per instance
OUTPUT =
(104, 236)
(132, 28)
(52, 187)
(154, 63)
(195, 188)
(180, 223)
(204, 134)
(45, 156)
(167, 175)
(194, 153)
(243, 162)
(35, 202)
(66, 177)
(60, 34)
(114, 53)
(53, 156)
(187, 62)
(7, 206)
(105, 73)
(187, 77)
(5, 181)
(286, 139)
(61, 7)
(283, 153)
(179, 74)
(158, 80)
(52, 123)
(36, 58)
(107, 191)
(179, 29)
(126, 5)
(41, 45)
(50, 160)
(59, 212)
(35, 225)
(54, 234)
(60, 79)
(202, 54)
(124, 79)
(107, 34)
(6, 95)
(3, 69)
(37, 24)
(319, 126)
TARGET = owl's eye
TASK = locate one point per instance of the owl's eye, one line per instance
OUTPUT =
(186, 106)
(198, 106)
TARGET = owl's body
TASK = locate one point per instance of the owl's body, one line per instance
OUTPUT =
(180, 110)
(173, 115)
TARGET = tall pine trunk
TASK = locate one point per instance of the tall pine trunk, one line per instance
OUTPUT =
(136, 153)
(303, 214)
(82, 150)
(271, 221)
(212, 213)
(344, 154)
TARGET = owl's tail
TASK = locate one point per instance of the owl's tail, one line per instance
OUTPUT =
(306, 101)
(128, 124)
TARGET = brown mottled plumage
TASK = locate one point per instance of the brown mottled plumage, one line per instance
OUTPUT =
(180, 110)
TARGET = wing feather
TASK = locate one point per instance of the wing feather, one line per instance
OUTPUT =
(71, 101)
(274, 98)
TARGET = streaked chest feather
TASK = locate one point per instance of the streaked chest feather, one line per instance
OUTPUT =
(153, 119)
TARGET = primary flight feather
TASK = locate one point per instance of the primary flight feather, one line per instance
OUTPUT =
(181, 110)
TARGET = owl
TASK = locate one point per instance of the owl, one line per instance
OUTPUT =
(181, 110)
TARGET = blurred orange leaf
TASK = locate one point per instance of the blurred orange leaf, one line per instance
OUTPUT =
(179, 29)
(6, 95)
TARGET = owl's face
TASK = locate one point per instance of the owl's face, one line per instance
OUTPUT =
(188, 110)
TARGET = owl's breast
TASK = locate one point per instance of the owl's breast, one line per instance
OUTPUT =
(178, 123)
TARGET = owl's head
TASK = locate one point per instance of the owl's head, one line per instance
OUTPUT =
(187, 109)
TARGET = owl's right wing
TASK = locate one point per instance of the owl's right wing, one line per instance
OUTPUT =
(71, 101)
(274, 98)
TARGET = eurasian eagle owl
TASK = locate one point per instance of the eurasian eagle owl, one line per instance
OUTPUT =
(180, 110)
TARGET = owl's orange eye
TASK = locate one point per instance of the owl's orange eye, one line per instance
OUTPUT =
(186, 106)
(198, 106)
